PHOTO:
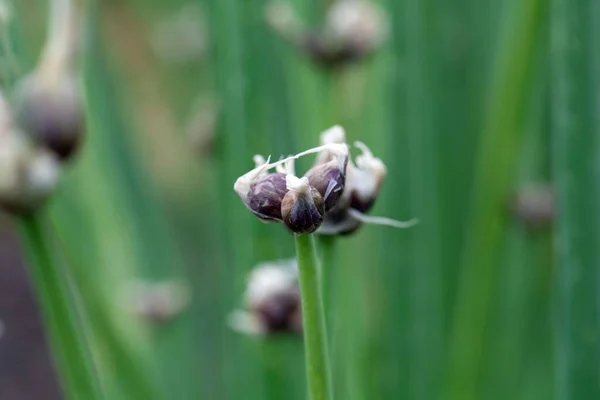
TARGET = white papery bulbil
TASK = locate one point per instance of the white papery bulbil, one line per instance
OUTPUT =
(271, 300)
(359, 22)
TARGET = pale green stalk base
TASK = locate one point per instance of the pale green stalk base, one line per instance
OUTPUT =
(59, 312)
(327, 246)
(318, 370)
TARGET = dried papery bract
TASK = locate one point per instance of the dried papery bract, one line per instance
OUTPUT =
(271, 300)
(47, 102)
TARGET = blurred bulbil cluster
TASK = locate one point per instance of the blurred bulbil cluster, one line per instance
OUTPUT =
(352, 30)
(331, 198)
(271, 300)
(300, 203)
(43, 125)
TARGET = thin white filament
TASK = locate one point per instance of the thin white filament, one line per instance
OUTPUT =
(367, 219)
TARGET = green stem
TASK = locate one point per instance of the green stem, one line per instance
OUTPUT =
(59, 312)
(327, 245)
(315, 337)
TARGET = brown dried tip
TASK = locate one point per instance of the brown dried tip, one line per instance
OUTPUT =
(51, 113)
(302, 208)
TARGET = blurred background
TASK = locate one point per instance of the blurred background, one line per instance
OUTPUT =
(485, 113)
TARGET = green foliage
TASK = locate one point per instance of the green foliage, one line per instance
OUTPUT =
(467, 102)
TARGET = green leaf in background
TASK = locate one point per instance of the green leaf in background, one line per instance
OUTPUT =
(576, 156)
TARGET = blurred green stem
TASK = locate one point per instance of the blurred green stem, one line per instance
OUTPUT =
(59, 312)
(313, 318)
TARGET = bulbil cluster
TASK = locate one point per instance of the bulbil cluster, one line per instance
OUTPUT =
(332, 198)
(352, 30)
(271, 301)
(43, 126)
(301, 203)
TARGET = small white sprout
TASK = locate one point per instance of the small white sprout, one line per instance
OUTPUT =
(335, 134)
(298, 185)
(259, 160)
(287, 168)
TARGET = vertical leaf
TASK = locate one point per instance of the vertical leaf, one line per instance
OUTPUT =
(576, 151)
(495, 173)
